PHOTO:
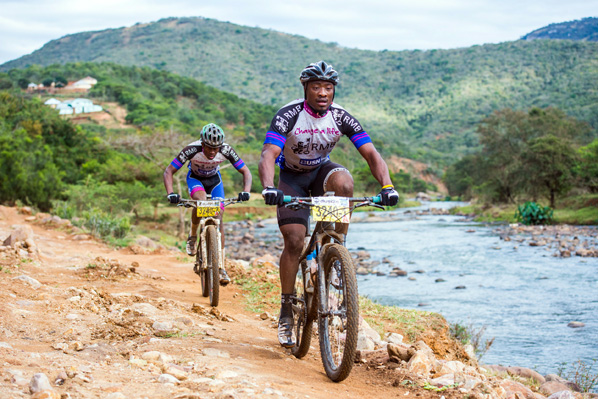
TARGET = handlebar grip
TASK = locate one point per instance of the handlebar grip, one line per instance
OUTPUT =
(287, 199)
(377, 199)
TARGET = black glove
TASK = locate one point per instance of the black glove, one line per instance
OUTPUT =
(243, 196)
(389, 196)
(273, 196)
(173, 198)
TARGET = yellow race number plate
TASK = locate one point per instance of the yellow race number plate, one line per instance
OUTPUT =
(208, 209)
(331, 209)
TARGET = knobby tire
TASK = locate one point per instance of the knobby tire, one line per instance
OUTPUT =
(303, 319)
(338, 333)
(203, 272)
(213, 266)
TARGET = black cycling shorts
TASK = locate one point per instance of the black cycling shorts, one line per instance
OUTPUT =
(303, 184)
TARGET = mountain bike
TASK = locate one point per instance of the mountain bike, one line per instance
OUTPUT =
(209, 256)
(326, 292)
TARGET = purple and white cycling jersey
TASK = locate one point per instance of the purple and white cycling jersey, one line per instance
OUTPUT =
(306, 138)
(200, 165)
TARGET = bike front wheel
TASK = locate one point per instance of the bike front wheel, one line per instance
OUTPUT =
(212, 270)
(338, 320)
(204, 274)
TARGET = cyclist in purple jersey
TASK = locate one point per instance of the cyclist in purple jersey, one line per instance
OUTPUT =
(203, 178)
(300, 138)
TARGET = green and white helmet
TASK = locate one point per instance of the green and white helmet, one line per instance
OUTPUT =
(212, 135)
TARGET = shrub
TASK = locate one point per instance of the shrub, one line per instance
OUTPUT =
(531, 213)
(103, 225)
(581, 373)
(469, 335)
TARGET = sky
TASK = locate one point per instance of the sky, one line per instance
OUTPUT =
(26, 25)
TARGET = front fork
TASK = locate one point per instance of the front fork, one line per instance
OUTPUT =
(202, 243)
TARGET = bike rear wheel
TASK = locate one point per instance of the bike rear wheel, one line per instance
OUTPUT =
(303, 319)
(212, 270)
(339, 323)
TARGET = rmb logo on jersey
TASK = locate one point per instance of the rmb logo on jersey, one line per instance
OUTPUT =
(281, 124)
(301, 147)
(190, 151)
(310, 162)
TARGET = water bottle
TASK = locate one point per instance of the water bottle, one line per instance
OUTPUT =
(310, 274)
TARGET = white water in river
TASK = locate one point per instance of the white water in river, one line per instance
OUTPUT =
(523, 295)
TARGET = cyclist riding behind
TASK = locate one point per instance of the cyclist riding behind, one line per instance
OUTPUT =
(300, 138)
(205, 157)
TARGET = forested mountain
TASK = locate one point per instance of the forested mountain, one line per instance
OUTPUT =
(585, 29)
(420, 104)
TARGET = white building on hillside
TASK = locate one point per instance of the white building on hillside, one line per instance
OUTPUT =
(52, 102)
(76, 106)
(85, 83)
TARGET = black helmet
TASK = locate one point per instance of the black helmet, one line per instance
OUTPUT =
(319, 71)
(212, 135)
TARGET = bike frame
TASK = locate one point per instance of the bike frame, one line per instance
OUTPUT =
(324, 235)
(209, 221)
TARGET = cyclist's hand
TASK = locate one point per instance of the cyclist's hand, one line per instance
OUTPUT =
(243, 196)
(389, 196)
(273, 196)
(173, 198)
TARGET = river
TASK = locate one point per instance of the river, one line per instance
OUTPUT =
(522, 295)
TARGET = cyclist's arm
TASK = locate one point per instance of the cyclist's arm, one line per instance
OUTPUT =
(247, 178)
(267, 163)
(377, 165)
(168, 173)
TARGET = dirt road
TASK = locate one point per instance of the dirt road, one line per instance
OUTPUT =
(106, 323)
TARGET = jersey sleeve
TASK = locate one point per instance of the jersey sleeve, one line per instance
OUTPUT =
(283, 120)
(351, 128)
(273, 137)
(230, 154)
(276, 134)
(186, 154)
(179, 160)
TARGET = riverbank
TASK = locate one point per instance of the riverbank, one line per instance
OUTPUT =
(85, 320)
(573, 210)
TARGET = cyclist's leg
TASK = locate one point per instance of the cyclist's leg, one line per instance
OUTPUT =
(293, 226)
(334, 177)
(216, 189)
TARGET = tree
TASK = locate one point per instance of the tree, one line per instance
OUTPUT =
(523, 153)
(461, 177)
(503, 135)
(27, 170)
(587, 167)
(158, 148)
(23, 83)
(549, 161)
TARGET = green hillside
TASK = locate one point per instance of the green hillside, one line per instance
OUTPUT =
(421, 104)
(584, 29)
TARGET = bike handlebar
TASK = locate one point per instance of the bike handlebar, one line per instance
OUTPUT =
(189, 203)
(376, 199)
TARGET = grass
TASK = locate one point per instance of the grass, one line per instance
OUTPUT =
(260, 295)
(408, 322)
